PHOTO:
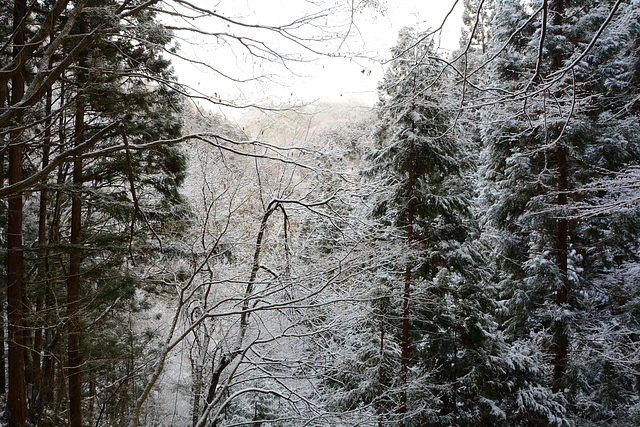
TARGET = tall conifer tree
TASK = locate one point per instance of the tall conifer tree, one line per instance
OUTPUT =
(422, 164)
(555, 75)
(100, 217)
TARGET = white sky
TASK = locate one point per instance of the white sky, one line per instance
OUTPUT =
(324, 78)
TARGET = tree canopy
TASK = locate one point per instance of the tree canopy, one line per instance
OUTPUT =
(463, 253)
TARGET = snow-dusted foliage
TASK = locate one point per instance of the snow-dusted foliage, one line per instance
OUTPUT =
(424, 275)
(463, 254)
(558, 125)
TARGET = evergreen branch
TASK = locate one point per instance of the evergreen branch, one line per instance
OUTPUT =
(44, 31)
(58, 160)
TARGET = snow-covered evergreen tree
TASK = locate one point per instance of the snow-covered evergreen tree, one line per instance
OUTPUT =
(103, 213)
(549, 131)
(427, 292)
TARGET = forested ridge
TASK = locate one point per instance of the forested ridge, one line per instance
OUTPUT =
(464, 253)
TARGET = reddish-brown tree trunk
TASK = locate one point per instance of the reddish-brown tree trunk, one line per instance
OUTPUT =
(16, 400)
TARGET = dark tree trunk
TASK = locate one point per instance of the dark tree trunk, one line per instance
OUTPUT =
(73, 283)
(381, 377)
(407, 284)
(3, 365)
(52, 337)
(42, 242)
(16, 401)
(561, 339)
(3, 378)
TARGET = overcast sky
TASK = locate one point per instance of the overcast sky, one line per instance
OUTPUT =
(375, 32)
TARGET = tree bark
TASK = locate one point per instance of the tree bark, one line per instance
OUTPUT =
(17, 402)
(561, 339)
(42, 242)
(407, 279)
(73, 280)
(38, 347)
(52, 337)
(3, 365)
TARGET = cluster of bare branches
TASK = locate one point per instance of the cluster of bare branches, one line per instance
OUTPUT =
(90, 125)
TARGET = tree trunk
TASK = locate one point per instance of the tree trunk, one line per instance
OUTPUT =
(560, 339)
(38, 347)
(17, 402)
(3, 365)
(52, 337)
(227, 358)
(198, 383)
(381, 379)
(407, 280)
(33, 336)
(73, 282)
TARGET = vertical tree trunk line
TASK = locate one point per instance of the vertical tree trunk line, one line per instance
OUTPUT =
(561, 339)
(16, 403)
(3, 365)
(40, 336)
(47, 393)
(379, 405)
(407, 275)
(229, 356)
(198, 383)
(73, 281)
